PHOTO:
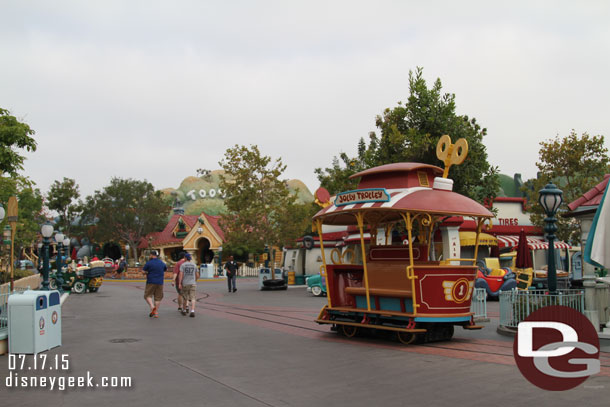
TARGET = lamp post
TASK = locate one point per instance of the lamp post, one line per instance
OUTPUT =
(219, 272)
(59, 239)
(551, 198)
(46, 230)
(126, 262)
(39, 265)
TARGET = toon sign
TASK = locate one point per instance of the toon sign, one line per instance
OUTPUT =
(362, 196)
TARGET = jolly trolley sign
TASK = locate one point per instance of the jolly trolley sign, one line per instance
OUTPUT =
(362, 196)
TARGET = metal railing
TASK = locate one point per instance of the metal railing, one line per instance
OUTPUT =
(478, 306)
(4, 294)
(247, 271)
(516, 305)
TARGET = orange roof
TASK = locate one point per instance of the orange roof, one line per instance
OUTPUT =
(592, 197)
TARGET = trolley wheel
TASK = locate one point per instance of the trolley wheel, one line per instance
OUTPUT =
(349, 331)
(93, 289)
(80, 287)
(316, 290)
(406, 338)
(53, 284)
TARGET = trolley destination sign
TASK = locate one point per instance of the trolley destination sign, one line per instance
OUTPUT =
(362, 196)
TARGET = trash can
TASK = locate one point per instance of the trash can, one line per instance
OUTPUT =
(206, 270)
(28, 319)
(264, 274)
(54, 320)
(291, 275)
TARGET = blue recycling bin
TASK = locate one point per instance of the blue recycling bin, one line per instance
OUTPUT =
(54, 325)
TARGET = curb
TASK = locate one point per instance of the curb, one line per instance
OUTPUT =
(506, 331)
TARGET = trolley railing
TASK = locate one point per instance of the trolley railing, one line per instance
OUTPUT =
(516, 305)
(478, 305)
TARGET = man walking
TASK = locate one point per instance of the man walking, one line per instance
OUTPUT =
(175, 280)
(188, 284)
(155, 271)
(231, 267)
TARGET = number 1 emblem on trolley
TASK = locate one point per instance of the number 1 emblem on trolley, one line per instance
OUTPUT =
(459, 290)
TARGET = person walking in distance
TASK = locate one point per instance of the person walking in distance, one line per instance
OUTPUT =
(231, 267)
(188, 284)
(175, 281)
(155, 271)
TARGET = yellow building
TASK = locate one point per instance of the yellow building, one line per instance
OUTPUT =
(200, 236)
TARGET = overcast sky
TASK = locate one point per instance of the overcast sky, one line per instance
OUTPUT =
(156, 89)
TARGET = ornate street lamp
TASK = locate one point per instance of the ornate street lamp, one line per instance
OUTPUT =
(46, 230)
(220, 260)
(62, 242)
(551, 198)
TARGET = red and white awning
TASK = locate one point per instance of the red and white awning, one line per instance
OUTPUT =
(534, 243)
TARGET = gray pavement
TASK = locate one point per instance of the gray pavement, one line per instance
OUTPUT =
(253, 348)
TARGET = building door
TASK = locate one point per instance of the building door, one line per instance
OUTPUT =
(205, 255)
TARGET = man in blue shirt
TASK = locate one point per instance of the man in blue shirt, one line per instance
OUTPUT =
(155, 271)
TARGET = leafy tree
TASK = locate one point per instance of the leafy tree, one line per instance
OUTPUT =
(62, 197)
(126, 210)
(410, 132)
(14, 135)
(260, 206)
(31, 214)
(575, 164)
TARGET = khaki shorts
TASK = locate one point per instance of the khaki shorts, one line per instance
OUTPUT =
(188, 292)
(155, 290)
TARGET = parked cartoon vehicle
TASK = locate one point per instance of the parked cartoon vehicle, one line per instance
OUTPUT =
(316, 285)
(81, 279)
(493, 278)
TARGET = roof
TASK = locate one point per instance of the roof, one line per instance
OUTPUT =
(468, 238)
(166, 236)
(416, 199)
(402, 167)
(592, 197)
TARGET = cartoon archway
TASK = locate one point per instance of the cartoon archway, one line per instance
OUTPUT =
(205, 255)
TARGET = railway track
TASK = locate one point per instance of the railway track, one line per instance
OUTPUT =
(300, 322)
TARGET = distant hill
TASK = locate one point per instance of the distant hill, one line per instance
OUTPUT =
(197, 194)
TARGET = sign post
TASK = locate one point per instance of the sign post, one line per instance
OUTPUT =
(12, 218)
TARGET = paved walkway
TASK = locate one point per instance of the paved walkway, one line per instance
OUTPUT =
(253, 348)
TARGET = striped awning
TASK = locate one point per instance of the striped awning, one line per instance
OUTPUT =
(534, 243)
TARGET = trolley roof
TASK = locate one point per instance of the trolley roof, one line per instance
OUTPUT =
(403, 190)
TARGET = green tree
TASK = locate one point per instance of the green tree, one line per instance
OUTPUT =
(410, 132)
(259, 204)
(575, 164)
(14, 136)
(126, 210)
(62, 198)
(31, 214)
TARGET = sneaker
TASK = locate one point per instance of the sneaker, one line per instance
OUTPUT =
(156, 316)
(179, 309)
(192, 315)
(153, 312)
(235, 289)
(184, 312)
